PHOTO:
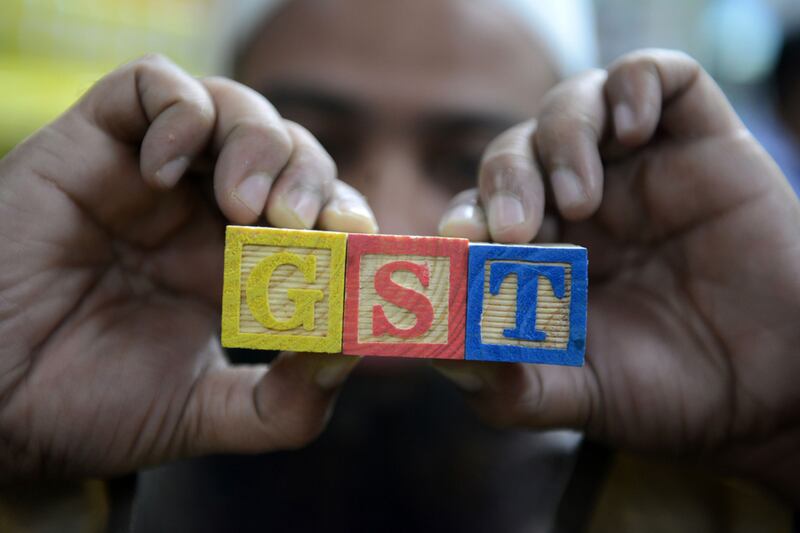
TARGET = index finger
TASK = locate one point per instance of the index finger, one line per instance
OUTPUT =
(666, 89)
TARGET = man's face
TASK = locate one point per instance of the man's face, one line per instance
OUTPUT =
(404, 95)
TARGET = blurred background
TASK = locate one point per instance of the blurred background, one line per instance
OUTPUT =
(52, 50)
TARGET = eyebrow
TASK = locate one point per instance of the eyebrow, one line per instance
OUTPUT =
(314, 99)
(457, 121)
(439, 121)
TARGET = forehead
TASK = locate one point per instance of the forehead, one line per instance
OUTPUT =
(465, 54)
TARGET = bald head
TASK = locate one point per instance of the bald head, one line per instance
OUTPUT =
(405, 95)
(451, 50)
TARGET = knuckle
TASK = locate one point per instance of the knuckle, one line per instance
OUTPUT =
(560, 128)
(216, 80)
(307, 140)
(309, 151)
(200, 107)
(506, 162)
(222, 85)
(270, 135)
(277, 137)
(330, 171)
(153, 59)
(514, 139)
(648, 60)
(510, 173)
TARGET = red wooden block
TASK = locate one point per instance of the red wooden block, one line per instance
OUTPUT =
(405, 296)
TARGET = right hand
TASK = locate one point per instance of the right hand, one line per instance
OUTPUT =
(111, 244)
(694, 256)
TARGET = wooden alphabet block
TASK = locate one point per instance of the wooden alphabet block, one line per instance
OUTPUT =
(405, 296)
(283, 289)
(527, 304)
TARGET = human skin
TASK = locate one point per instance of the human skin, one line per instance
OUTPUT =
(121, 367)
(405, 114)
(694, 250)
(106, 376)
(111, 283)
(666, 202)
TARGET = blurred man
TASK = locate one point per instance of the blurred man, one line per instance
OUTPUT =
(406, 115)
(690, 225)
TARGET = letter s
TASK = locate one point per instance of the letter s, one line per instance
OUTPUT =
(402, 297)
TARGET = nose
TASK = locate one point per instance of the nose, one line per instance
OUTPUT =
(390, 173)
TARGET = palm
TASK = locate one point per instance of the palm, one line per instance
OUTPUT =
(112, 268)
(144, 316)
(678, 327)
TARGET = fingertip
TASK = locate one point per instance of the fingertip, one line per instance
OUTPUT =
(249, 198)
(168, 175)
(625, 123)
(576, 198)
(508, 220)
(296, 209)
(634, 93)
(323, 371)
(466, 222)
(350, 215)
(632, 127)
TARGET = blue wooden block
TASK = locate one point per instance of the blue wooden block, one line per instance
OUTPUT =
(527, 303)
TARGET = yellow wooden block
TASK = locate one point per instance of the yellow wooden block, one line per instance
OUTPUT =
(283, 289)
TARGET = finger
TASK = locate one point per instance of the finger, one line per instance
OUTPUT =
(511, 186)
(465, 218)
(259, 409)
(571, 125)
(304, 186)
(521, 395)
(133, 132)
(254, 145)
(651, 88)
(347, 211)
(154, 102)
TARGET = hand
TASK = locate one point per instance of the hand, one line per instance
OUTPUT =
(694, 253)
(112, 244)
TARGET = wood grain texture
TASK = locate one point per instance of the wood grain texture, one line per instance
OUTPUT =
(546, 322)
(283, 289)
(405, 296)
(500, 312)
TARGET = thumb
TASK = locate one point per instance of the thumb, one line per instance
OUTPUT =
(530, 396)
(252, 409)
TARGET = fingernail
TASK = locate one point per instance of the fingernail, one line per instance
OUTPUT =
(465, 221)
(252, 192)
(169, 174)
(332, 373)
(463, 378)
(304, 204)
(568, 188)
(349, 215)
(624, 120)
(505, 211)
